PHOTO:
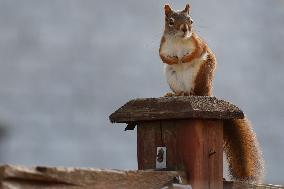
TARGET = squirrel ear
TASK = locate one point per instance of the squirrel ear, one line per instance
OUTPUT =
(186, 9)
(168, 9)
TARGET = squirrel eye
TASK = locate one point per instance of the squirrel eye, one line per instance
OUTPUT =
(171, 21)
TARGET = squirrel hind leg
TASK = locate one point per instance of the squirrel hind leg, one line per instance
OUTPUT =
(182, 94)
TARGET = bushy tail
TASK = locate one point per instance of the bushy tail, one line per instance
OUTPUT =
(242, 150)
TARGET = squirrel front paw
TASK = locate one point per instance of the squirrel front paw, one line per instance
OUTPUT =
(169, 59)
(172, 60)
(187, 58)
(169, 94)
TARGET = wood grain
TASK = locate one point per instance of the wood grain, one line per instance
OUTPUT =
(165, 108)
(200, 147)
(215, 147)
(194, 146)
(16, 177)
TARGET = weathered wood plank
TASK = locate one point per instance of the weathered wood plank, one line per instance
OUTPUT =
(15, 177)
(203, 107)
(215, 147)
(149, 137)
(196, 142)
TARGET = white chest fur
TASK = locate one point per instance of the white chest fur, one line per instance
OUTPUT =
(181, 77)
(174, 46)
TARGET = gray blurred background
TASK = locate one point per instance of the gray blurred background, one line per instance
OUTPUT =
(65, 65)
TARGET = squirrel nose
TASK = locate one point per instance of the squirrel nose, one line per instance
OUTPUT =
(184, 28)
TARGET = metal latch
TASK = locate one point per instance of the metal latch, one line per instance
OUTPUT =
(161, 158)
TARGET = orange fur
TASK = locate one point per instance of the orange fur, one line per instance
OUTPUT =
(169, 59)
(200, 47)
(203, 81)
(242, 150)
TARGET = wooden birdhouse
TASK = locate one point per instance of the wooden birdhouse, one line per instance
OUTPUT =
(180, 133)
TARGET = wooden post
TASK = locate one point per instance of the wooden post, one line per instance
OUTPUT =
(188, 129)
(194, 145)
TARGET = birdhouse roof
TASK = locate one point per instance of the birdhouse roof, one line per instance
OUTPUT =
(167, 108)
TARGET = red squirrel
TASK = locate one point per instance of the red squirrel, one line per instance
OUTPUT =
(189, 70)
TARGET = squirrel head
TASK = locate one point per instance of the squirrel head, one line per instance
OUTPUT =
(178, 23)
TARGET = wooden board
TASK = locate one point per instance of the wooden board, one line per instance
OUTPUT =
(201, 107)
(16, 177)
